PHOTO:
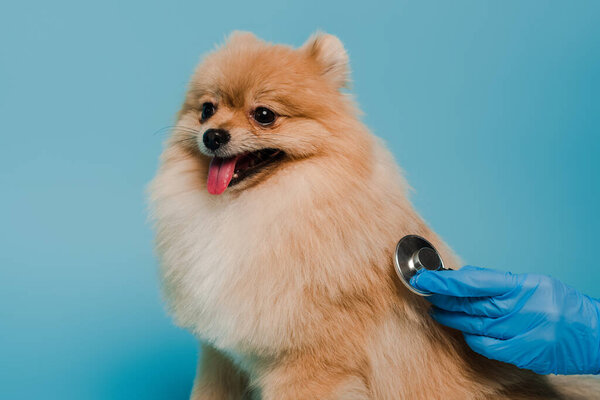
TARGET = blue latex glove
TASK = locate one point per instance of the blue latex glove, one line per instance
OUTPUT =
(531, 321)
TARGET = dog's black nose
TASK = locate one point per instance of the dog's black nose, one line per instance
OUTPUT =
(215, 138)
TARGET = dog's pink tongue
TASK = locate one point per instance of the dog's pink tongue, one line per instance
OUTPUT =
(220, 172)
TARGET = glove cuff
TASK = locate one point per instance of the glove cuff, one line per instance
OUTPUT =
(596, 367)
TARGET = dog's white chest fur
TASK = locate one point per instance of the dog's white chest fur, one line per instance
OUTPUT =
(224, 264)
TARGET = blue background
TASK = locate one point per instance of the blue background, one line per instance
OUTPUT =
(502, 99)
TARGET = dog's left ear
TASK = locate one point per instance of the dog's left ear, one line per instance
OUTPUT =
(328, 51)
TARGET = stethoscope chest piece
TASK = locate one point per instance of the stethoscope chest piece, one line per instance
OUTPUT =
(414, 253)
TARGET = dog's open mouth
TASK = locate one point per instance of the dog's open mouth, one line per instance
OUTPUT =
(225, 172)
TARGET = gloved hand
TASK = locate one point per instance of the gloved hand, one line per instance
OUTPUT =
(531, 321)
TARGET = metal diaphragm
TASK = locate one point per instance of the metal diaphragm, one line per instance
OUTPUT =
(414, 253)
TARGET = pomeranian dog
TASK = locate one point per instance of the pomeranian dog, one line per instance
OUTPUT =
(277, 213)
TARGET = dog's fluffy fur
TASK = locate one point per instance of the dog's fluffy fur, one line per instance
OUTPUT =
(287, 277)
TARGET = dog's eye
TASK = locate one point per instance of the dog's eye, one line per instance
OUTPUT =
(208, 109)
(264, 116)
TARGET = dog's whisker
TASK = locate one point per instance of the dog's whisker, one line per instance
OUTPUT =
(186, 130)
(175, 128)
(162, 130)
(186, 140)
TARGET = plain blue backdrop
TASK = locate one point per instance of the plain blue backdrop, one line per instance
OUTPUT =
(501, 97)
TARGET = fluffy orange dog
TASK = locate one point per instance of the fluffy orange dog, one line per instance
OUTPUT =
(277, 213)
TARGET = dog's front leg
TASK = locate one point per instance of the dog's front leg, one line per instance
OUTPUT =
(217, 378)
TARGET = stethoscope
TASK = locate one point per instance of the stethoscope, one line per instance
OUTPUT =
(413, 254)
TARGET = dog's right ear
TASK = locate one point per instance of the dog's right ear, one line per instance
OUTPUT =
(328, 51)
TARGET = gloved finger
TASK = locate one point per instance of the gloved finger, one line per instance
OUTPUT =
(473, 324)
(493, 307)
(465, 282)
(510, 351)
(487, 346)
(473, 268)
